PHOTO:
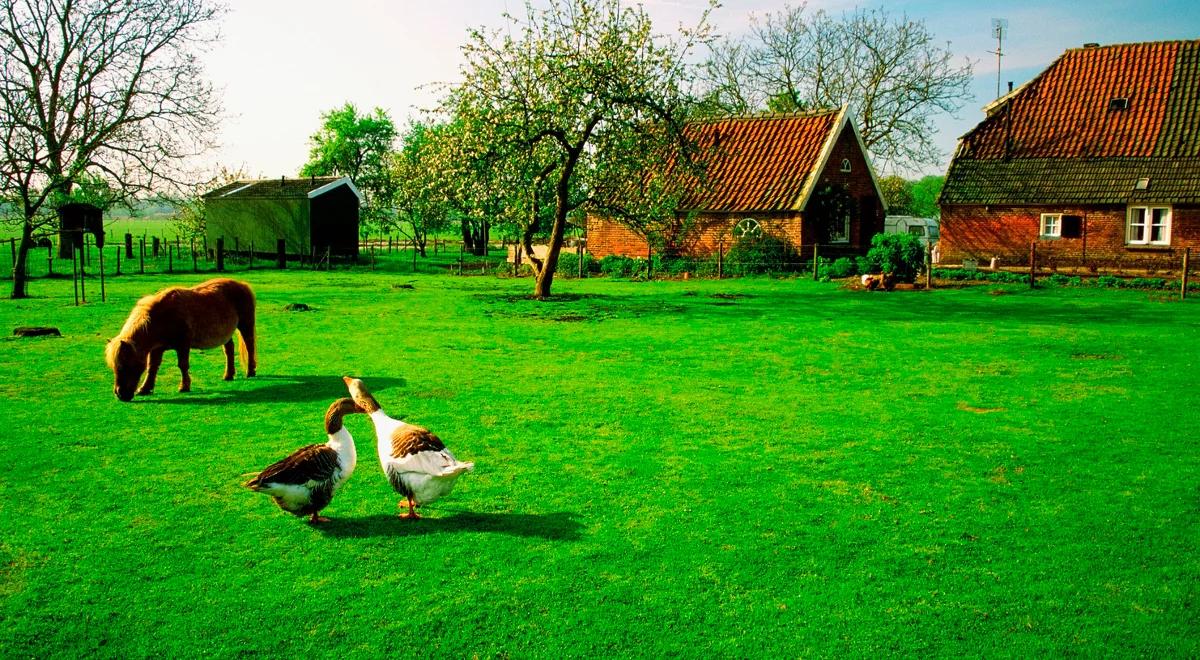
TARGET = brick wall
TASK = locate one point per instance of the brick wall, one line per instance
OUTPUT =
(706, 230)
(1006, 232)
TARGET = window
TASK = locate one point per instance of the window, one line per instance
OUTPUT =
(839, 231)
(1071, 226)
(845, 164)
(1051, 225)
(1118, 104)
(917, 230)
(1149, 225)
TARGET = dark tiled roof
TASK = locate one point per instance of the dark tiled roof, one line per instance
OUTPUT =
(759, 163)
(271, 188)
(1072, 181)
(1065, 137)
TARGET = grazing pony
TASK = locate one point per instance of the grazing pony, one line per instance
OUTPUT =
(180, 319)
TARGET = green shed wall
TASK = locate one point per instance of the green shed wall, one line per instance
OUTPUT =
(261, 222)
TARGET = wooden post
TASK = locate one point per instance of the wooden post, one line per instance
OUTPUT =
(414, 263)
(128, 245)
(250, 266)
(1183, 281)
(75, 274)
(192, 246)
(154, 246)
(281, 253)
(649, 261)
(12, 244)
(170, 260)
(460, 261)
(372, 251)
(117, 250)
(721, 258)
(221, 254)
(928, 266)
(816, 262)
(50, 260)
(87, 251)
(579, 257)
(328, 261)
(103, 294)
(82, 289)
(142, 256)
(1032, 264)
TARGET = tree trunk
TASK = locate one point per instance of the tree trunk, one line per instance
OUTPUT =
(18, 275)
(545, 276)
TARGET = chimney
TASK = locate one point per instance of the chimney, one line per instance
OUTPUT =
(282, 178)
(1010, 87)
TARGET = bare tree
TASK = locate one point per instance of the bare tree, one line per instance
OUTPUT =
(888, 69)
(110, 88)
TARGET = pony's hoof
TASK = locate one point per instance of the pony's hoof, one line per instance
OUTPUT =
(228, 377)
(184, 388)
(144, 392)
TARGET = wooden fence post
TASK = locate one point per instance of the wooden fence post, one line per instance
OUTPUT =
(721, 258)
(118, 251)
(816, 261)
(142, 256)
(50, 260)
(82, 290)
(928, 266)
(281, 253)
(1183, 281)
(170, 259)
(103, 294)
(154, 246)
(128, 245)
(75, 274)
(579, 257)
(1032, 264)
(220, 254)
(192, 246)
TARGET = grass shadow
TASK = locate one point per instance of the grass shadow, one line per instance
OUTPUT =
(272, 389)
(552, 526)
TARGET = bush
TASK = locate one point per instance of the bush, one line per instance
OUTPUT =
(901, 255)
(842, 268)
(568, 264)
(1146, 283)
(1108, 281)
(618, 266)
(760, 254)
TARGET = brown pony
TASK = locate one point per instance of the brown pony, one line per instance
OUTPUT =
(180, 319)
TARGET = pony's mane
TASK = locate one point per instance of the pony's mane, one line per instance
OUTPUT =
(138, 319)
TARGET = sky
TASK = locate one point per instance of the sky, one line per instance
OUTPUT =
(281, 63)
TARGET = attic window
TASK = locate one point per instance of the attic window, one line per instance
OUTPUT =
(1142, 184)
(1118, 104)
(845, 164)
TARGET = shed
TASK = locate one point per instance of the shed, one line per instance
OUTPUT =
(802, 177)
(74, 220)
(310, 214)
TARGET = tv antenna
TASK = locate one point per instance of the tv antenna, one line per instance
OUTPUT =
(999, 29)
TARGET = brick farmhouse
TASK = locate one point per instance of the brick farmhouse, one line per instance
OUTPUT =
(769, 173)
(1096, 161)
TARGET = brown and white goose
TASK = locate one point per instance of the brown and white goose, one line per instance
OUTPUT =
(415, 461)
(305, 482)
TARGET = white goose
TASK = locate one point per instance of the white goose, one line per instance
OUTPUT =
(305, 482)
(415, 461)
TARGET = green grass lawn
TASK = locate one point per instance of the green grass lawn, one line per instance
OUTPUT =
(762, 468)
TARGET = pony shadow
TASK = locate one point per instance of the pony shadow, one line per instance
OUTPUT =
(271, 389)
(551, 526)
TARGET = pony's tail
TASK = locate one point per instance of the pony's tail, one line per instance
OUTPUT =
(244, 352)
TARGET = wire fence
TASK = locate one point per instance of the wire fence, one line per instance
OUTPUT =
(1167, 268)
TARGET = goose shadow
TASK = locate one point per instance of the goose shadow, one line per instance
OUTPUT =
(560, 526)
(269, 389)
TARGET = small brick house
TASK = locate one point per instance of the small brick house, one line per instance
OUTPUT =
(1096, 161)
(770, 173)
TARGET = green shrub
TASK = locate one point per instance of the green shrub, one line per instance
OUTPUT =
(1146, 283)
(568, 264)
(842, 268)
(1108, 281)
(760, 254)
(617, 266)
(901, 255)
(1057, 279)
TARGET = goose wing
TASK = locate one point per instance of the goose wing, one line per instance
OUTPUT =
(306, 466)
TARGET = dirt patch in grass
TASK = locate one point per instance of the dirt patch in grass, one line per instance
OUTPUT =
(965, 407)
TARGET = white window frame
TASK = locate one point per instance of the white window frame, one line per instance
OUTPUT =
(1051, 225)
(1140, 224)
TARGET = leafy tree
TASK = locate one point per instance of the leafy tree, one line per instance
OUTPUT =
(888, 69)
(898, 193)
(109, 89)
(925, 193)
(360, 147)
(190, 217)
(421, 202)
(575, 105)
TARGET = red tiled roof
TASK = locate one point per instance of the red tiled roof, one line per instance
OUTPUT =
(759, 163)
(1086, 129)
(1064, 112)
